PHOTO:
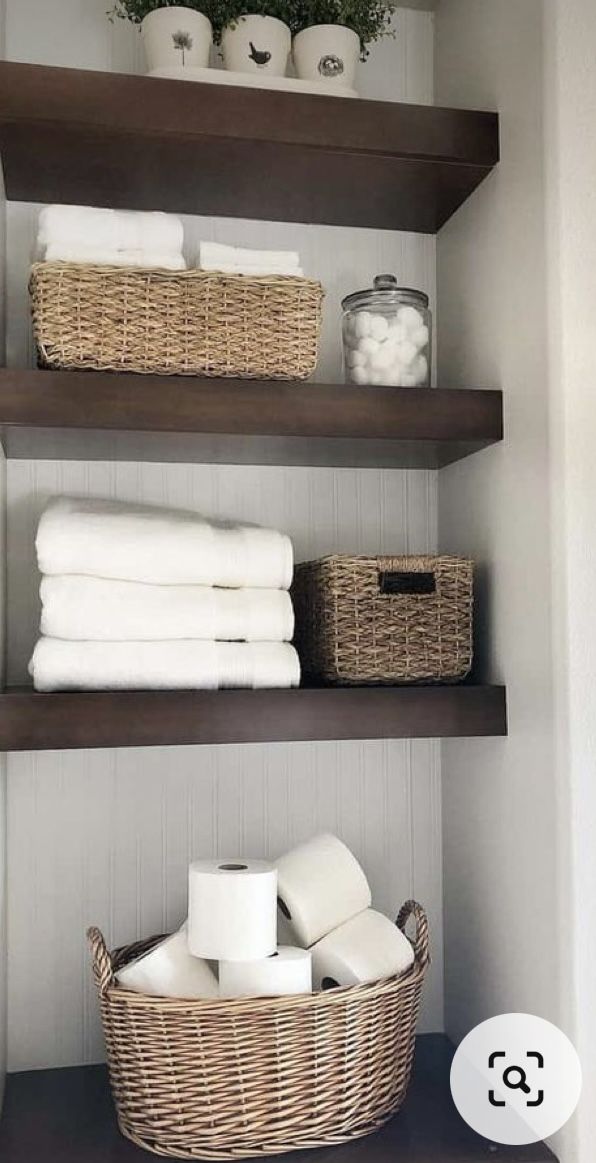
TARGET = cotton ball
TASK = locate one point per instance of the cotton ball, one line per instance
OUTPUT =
(408, 380)
(406, 352)
(369, 346)
(376, 378)
(359, 375)
(409, 318)
(379, 327)
(420, 336)
(419, 370)
(395, 377)
(361, 324)
(397, 333)
(355, 358)
(383, 358)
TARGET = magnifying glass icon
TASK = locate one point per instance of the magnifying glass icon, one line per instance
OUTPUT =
(522, 1082)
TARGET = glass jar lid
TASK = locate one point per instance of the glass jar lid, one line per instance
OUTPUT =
(385, 292)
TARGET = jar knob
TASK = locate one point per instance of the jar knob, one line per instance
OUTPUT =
(385, 283)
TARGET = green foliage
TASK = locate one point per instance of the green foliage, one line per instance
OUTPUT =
(369, 19)
(137, 10)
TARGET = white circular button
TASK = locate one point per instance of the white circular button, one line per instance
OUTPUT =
(516, 1079)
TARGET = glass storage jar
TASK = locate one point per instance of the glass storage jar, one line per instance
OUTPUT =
(387, 336)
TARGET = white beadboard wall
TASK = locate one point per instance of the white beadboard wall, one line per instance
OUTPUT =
(105, 837)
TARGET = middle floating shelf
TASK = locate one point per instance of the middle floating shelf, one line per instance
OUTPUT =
(94, 719)
(55, 415)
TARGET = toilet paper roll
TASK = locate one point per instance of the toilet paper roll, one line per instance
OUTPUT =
(288, 971)
(169, 970)
(232, 912)
(320, 885)
(366, 948)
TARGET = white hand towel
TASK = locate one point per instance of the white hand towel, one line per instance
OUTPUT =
(159, 546)
(262, 271)
(217, 256)
(95, 609)
(57, 665)
(114, 229)
(103, 256)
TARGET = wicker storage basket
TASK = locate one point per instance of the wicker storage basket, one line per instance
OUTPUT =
(258, 1076)
(175, 323)
(384, 619)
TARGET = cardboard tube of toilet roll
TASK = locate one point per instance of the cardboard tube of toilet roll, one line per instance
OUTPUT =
(232, 913)
(169, 970)
(288, 971)
(320, 885)
(366, 948)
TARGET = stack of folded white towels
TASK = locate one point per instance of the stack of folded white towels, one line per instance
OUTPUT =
(86, 234)
(137, 598)
(237, 260)
(239, 942)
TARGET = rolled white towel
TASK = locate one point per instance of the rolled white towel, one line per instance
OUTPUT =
(57, 665)
(112, 229)
(96, 609)
(159, 546)
(103, 256)
(240, 260)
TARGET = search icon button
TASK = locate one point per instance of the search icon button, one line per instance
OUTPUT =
(521, 1084)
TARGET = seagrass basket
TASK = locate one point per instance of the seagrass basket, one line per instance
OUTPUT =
(384, 619)
(197, 323)
(252, 1077)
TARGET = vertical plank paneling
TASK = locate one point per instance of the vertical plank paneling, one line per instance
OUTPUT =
(106, 837)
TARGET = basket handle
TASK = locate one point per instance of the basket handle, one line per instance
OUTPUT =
(421, 939)
(102, 962)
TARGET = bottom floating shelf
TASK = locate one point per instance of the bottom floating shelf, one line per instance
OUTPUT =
(66, 1116)
(42, 722)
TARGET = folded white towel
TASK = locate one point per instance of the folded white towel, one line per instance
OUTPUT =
(119, 611)
(159, 546)
(256, 271)
(111, 229)
(103, 256)
(57, 665)
(215, 256)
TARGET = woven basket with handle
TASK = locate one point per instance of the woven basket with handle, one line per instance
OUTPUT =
(384, 619)
(198, 323)
(249, 1077)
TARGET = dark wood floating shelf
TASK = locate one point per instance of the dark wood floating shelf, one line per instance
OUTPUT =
(114, 140)
(66, 1116)
(47, 722)
(92, 415)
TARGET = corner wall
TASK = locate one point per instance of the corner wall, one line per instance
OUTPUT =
(501, 867)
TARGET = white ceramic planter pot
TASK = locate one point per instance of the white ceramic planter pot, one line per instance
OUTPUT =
(327, 52)
(257, 44)
(176, 36)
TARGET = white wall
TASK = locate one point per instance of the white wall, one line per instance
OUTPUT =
(570, 100)
(105, 837)
(501, 865)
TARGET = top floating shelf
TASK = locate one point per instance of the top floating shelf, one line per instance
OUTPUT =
(108, 139)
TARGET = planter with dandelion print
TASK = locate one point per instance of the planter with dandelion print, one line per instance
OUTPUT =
(176, 36)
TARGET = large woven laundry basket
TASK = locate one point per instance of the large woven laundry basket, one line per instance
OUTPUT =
(251, 1077)
(198, 323)
(384, 619)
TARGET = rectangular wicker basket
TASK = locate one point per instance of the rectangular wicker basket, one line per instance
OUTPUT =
(384, 619)
(194, 322)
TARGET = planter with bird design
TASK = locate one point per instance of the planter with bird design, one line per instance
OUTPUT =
(327, 52)
(176, 36)
(257, 44)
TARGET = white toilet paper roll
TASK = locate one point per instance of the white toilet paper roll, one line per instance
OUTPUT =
(320, 885)
(366, 948)
(232, 912)
(169, 970)
(288, 971)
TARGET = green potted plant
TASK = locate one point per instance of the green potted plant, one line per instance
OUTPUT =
(174, 35)
(255, 35)
(330, 36)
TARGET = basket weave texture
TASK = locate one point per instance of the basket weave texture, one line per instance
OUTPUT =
(175, 323)
(250, 1077)
(358, 619)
